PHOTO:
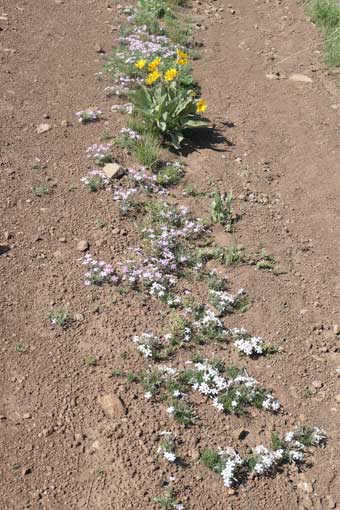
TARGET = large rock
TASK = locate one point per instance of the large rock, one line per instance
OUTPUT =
(114, 171)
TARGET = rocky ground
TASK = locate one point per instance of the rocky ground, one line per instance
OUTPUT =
(72, 436)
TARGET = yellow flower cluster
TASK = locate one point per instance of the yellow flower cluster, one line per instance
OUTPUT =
(154, 64)
(140, 64)
(171, 74)
(182, 58)
(152, 77)
(201, 106)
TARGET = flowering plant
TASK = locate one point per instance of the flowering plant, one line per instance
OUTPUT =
(166, 106)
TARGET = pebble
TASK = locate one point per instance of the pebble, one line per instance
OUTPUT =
(65, 123)
(83, 246)
(240, 433)
(337, 397)
(305, 487)
(26, 416)
(195, 455)
(112, 405)
(300, 78)
(98, 48)
(317, 384)
(4, 249)
(336, 329)
(331, 502)
(307, 503)
(43, 128)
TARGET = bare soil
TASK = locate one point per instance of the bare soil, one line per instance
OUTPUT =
(277, 149)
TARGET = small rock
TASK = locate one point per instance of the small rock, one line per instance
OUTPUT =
(95, 445)
(305, 487)
(195, 455)
(26, 416)
(337, 398)
(4, 249)
(98, 48)
(83, 246)
(317, 384)
(114, 171)
(78, 439)
(300, 78)
(240, 434)
(65, 123)
(57, 254)
(307, 503)
(275, 76)
(112, 406)
(331, 502)
(79, 317)
(26, 471)
(336, 329)
(43, 128)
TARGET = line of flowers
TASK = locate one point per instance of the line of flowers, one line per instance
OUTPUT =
(154, 74)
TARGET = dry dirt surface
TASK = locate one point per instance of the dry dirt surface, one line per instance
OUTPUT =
(277, 149)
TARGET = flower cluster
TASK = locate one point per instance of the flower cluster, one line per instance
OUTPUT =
(140, 44)
(263, 461)
(95, 180)
(223, 301)
(124, 108)
(89, 115)
(231, 395)
(130, 133)
(167, 447)
(99, 271)
(150, 345)
(101, 153)
(247, 344)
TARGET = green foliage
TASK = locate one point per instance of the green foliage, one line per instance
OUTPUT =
(326, 15)
(40, 191)
(90, 361)
(60, 317)
(212, 460)
(182, 413)
(221, 209)
(169, 175)
(146, 150)
(169, 109)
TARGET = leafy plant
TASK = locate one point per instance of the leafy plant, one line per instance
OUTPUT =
(90, 361)
(60, 317)
(40, 191)
(169, 175)
(221, 209)
(167, 107)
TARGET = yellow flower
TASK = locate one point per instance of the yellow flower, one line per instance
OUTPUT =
(152, 77)
(140, 64)
(154, 64)
(182, 58)
(201, 106)
(171, 74)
